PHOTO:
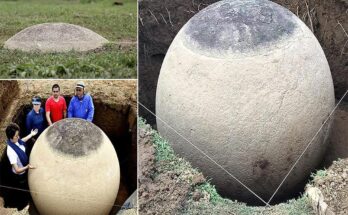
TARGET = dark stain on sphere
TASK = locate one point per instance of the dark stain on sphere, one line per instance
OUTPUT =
(238, 26)
(74, 137)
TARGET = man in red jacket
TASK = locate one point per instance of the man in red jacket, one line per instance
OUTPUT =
(55, 106)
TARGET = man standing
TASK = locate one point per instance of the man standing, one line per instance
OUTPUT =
(81, 105)
(55, 106)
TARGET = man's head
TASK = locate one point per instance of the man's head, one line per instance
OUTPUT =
(80, 89)
(36, 101)
(55, 91)
(12, 132)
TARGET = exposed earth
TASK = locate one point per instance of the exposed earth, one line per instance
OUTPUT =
(115, 114)
(169, 185)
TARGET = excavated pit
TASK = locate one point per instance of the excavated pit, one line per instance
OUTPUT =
(328, 19)
(337, 148)
(116, 121)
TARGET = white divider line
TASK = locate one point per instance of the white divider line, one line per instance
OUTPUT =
(310, 142)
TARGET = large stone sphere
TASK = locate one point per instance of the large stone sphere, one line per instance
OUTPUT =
(77, 169)
(55, 37)
(248, 83)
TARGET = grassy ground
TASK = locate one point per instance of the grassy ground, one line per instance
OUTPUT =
(115, 23)
(212, 202)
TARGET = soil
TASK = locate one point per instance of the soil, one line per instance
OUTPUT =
(114, 98)
(160, 191)
(337, 147)
(7, 91)
(334, 186)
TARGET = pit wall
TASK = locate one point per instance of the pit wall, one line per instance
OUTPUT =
(8, 90)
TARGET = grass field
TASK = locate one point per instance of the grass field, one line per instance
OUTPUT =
(115, 23)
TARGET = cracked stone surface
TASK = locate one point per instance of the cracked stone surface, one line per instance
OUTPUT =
(252, 110)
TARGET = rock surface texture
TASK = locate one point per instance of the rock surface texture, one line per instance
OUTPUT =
(55, 37)
(248, 83)
(77, 170)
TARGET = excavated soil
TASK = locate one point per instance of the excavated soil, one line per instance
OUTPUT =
(334, 186)
(160, 191)
(115, 113)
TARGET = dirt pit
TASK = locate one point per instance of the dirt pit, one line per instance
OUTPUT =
(168, 184)
(115, 114)
(327, 20)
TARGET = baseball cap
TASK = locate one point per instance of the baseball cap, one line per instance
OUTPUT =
(80, 84)
(36, 100)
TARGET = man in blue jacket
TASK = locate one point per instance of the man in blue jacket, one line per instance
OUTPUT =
(81, 105)
(35, 120)
(36, 117)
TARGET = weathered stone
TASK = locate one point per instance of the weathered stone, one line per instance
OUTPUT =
(55, 37)
(252, 107)
(66, 182)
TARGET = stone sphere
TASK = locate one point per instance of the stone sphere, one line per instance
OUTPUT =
(248, 83)
(77, 169)
(55, 37)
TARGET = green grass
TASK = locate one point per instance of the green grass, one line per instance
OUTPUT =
(322, 173)
(115, 23)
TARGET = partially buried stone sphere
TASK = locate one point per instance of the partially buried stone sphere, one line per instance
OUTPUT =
(248, 83)
(55, 37)
(77, 169)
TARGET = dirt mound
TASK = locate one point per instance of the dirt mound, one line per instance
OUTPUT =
(55, 37)
(333, 183)
(155, 184)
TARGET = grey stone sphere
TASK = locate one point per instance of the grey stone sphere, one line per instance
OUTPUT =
(76, 169)
(55, 37)
(248, 83)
